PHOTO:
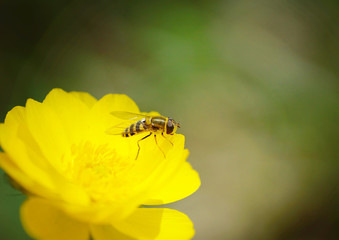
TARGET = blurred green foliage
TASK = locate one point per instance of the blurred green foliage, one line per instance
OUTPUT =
(254, 84)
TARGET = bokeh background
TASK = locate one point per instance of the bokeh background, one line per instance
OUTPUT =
(254, 84)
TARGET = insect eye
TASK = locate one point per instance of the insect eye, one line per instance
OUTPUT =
(170, 127)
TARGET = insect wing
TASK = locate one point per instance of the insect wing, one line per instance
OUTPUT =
(128, 115)
(116, 130)
(128, 119)
(119, 128)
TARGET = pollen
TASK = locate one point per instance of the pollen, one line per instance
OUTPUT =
(99, 170)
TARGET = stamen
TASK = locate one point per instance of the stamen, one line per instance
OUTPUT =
(99, 170)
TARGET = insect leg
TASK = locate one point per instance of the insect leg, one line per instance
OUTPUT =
(139, 145)
(167, 138)
(155, 138)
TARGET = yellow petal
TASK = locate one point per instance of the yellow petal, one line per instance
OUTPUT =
(48, 132)
(101, 111)
(107, 232)
(101, 119)
(70, 111)
(12, 137)
(24, 160)
(182, 184)
(53, 144)
(164, 170)
(29, 185)
(85, 97)
(151, 173)
(152, 163)
(157, 224)
(43, 221)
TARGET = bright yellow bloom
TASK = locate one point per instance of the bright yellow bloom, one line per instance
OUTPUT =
(82, 182)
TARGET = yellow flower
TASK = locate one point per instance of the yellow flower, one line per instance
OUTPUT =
(82, 182)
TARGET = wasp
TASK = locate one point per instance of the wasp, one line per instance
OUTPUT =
(144, 123)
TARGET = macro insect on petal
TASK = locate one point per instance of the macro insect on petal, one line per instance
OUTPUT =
(136, 123)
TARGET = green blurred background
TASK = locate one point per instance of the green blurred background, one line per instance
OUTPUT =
(254, 84)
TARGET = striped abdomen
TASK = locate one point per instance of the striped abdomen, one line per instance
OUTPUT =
(135, 128)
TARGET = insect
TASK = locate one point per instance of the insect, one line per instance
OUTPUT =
(140, 123)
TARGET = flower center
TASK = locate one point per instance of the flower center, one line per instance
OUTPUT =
(100, 171)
